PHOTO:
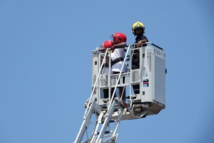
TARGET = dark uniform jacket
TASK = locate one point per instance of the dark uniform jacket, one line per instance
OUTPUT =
(135, 58)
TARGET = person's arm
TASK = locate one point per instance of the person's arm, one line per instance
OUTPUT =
(119, 45)
(142, 41)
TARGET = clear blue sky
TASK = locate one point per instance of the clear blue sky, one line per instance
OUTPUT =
(45, 67)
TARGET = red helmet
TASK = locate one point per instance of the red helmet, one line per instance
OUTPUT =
(107, 44)
(119, 37)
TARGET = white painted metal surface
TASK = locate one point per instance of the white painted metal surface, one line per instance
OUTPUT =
(144, 93)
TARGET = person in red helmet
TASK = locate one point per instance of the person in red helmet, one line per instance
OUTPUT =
(117, 57)
(106, 44)
(105, 69)
(118, 54)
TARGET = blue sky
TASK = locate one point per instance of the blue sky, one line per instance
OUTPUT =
(45, 60)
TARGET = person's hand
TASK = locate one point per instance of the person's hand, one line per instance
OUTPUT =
(107, 59)
(112, 48)
(139, 44)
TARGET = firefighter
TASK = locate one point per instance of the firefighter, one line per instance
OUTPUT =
(117, 57)
(118, 54)
(105, 70)
(138, 30)
(106, 44)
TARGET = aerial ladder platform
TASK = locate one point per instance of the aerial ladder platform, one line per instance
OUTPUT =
(143, 92)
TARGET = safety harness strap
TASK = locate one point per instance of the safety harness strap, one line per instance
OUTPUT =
(114, 61)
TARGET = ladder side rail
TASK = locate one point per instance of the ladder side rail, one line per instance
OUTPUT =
(99, 121)
(113, 136)
(106, 121)
(122, 111)
(118, 120)
(119, 75)
(85, 123)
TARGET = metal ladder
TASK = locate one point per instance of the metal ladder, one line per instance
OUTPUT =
(101, 132)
